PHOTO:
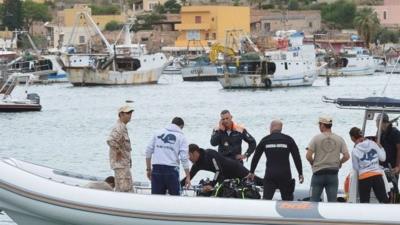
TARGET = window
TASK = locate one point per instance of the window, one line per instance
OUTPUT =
(207, 36)
(384, 15)
(81, 39)
(214, 36)
(152, 5)
(310, 24)
(212, 19)
(267, 27)
(193, 35)
(197, 19)
(286, 66)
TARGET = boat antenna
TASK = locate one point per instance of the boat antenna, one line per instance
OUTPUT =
(390, 75)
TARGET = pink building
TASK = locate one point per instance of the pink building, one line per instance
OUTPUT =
(389, 13)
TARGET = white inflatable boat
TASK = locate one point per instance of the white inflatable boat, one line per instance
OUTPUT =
(35, 195)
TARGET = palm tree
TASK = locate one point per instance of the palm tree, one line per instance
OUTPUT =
(367, 23)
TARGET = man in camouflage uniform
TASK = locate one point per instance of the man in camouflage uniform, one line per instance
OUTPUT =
(120, 151)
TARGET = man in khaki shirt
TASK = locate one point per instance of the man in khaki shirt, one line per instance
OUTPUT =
(120, 151)
(323, 153)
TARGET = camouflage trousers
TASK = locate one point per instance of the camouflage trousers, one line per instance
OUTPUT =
(123, 180)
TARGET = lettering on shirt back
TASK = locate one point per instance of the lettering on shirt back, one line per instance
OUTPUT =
(276, 146)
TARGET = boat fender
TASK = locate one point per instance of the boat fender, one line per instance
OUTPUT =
(267, 82)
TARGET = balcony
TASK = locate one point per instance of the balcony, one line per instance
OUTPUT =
(192, 26)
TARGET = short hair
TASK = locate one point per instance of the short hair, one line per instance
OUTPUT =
(384, 116)
(225, 111)
(178, 121)
(110, 180)
(355, 132)
(195, 148)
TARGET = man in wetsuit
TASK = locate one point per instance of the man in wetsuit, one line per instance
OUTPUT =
(224, 168)
(228, 136)
(277, 147)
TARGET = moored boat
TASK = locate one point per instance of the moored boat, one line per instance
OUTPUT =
(9, 103)
(118, 65)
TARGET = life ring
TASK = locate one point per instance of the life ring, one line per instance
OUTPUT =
(267, 82)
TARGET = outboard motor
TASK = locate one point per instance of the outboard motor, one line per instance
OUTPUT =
(35, 98)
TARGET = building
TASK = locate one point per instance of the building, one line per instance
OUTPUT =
(388, 13)
(272, 21)
(37, 1)
(143, 6)
(60, 30)
(201, 26)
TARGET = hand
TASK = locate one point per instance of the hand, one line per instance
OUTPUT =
(149, 174)
(250, 176)
(187, 182)
(301, 179)
(207, 188)
(240, 157)
(220, 126)
(396, 170)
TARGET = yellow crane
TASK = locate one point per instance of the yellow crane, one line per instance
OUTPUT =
(218, 48)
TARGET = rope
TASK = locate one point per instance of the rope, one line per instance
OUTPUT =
(390, 76)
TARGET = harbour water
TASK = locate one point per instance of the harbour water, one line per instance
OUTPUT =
(70, 131)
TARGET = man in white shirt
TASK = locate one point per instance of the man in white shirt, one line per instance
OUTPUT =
(167, 148)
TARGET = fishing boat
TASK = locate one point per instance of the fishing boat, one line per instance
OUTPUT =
(10, 103)
(32, 194)
(352, 61)
(118, 65)
(200, 69)
(291, 65)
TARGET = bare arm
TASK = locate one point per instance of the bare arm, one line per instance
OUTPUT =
(309, 156)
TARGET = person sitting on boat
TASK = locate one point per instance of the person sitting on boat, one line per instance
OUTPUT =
(212, 161)
(120, 151)
(166, 149)
(228, 136)
(390, 140)
(108, 184)
(277, 148)
(323, 154)
(366, 156)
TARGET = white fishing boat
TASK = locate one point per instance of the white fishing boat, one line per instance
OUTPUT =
(35, 195)
(352, 61)
(288, 67)
(13, 103)
(118, 65)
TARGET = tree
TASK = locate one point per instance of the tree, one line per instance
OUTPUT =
(339, 14)
(34, 12)
(113, 25)
(293, 5)
(145, 21)
(172, 6)
(385, 35)
(105, 10)
(367, 23)
(12, 14)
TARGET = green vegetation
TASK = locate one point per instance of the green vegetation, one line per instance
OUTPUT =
(146, 21)
(384, 35)
(113, 25)
(170, 6)
(367, 23)
(12, 14)
(105, 10)
(339, 15)
(293, 5)
(34, 12)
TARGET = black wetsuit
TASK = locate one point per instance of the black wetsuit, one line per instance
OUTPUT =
(277, 147)
(230, 145)
(224, 168)
(389, 140)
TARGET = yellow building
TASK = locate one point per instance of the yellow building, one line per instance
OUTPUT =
(69, 16)
(204, 25)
